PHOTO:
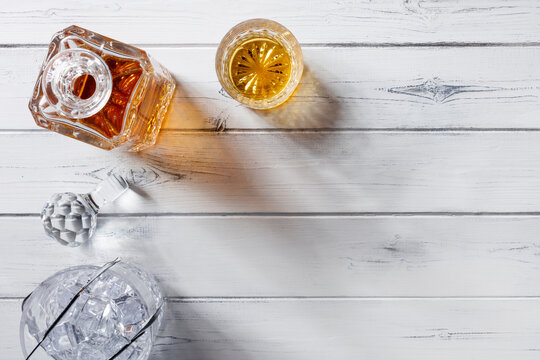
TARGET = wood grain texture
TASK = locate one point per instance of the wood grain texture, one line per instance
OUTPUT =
(208, 256)
(389, 211)
(337, 329)
(192, 172)
(343, 88)
(317, 21)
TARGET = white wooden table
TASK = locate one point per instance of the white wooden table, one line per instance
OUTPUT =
(391, 210)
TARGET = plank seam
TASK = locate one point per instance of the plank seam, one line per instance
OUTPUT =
(311, 131)
(301, 214)
(448, 44)
(179, 299)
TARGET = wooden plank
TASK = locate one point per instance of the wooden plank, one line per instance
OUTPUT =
(294, 256)
(343, 88)
(318, 21)
(336, 329)
(291, 172)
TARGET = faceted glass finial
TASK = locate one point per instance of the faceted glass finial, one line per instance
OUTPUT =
(71, 218)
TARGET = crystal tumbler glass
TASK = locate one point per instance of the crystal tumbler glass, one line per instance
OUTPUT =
(259, 63)
(90, 312)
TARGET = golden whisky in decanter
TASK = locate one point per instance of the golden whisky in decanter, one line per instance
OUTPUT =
(101, 91)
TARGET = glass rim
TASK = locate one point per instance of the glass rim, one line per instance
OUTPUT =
(99, 271)
(274, 31)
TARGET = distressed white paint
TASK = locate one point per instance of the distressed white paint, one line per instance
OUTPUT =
(412, 276)
(295, 256)
(315, 21)
(343, 88)
(306, 329)
(289, 172)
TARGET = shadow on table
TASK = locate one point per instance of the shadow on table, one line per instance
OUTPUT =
(240, 172)
(312, 106)
(209, 162)
(226, 169)
(190, 335)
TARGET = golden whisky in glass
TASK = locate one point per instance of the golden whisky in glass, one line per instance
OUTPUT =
(259, 63)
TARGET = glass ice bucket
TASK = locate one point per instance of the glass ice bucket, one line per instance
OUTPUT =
(92, 313)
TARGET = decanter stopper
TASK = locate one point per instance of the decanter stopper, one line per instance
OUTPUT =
(71, 218)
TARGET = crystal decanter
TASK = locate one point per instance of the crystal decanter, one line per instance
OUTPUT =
(101, 91)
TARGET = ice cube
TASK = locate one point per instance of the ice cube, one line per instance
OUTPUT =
(97, 325)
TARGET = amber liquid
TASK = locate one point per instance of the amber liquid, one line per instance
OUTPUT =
(260, 68)
(109, 121)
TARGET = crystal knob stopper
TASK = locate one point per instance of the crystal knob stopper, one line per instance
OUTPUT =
(71, 218)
